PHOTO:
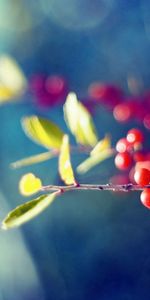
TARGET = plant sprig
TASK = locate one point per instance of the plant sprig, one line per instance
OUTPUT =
(50, 136)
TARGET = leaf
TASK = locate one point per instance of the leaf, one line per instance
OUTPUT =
(25, 212)
(79, 121)
(43, 131)
(102, 145)
(93, 160)
(34, 159)
(29, 184)
(12, 80)
(64, 165)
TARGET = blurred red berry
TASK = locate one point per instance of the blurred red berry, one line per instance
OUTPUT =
(105, 93)
(56, 87)
(122, 112)
(122, 145)
(142, 176)
(145, 198)
(123, 160)
(48, 90)
(135, 136)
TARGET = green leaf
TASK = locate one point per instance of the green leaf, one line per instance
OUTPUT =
(25, 212)
(65, 168)
(43, 131)
(93, 160)
(34, 159)
(79, 121)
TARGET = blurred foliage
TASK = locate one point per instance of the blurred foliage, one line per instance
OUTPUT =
(49, 135)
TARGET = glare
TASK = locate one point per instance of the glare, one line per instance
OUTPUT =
(75, 14)
(19, 15)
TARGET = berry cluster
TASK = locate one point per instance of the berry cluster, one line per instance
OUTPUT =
(127, 149)
(142, 177)
(48, 90)
(51, 90)
(130, 157)
(124, 108)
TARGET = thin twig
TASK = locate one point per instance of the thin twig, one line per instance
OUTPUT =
(99, 187)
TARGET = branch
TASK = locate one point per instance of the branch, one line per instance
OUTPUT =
(99, 187)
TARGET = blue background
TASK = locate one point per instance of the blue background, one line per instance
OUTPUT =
(87, 245)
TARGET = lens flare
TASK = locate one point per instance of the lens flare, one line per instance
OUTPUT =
(75, 14)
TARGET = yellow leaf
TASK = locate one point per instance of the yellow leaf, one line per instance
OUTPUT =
(29, 184)
(79, 121)
(102, 145)
(65, 168)
(93, 160)
(12, 80)
(43, 131)
(27, 211)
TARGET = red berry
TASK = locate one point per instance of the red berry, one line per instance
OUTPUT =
(142, 176)
(123, 160)
(122, 145)
(122, 112)
(108, 94)
(105, 91)
(135, 136)
(134, 108)
(56, 85)
(145, 198)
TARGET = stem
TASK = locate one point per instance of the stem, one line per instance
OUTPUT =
(100, 187)
(44, 156)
